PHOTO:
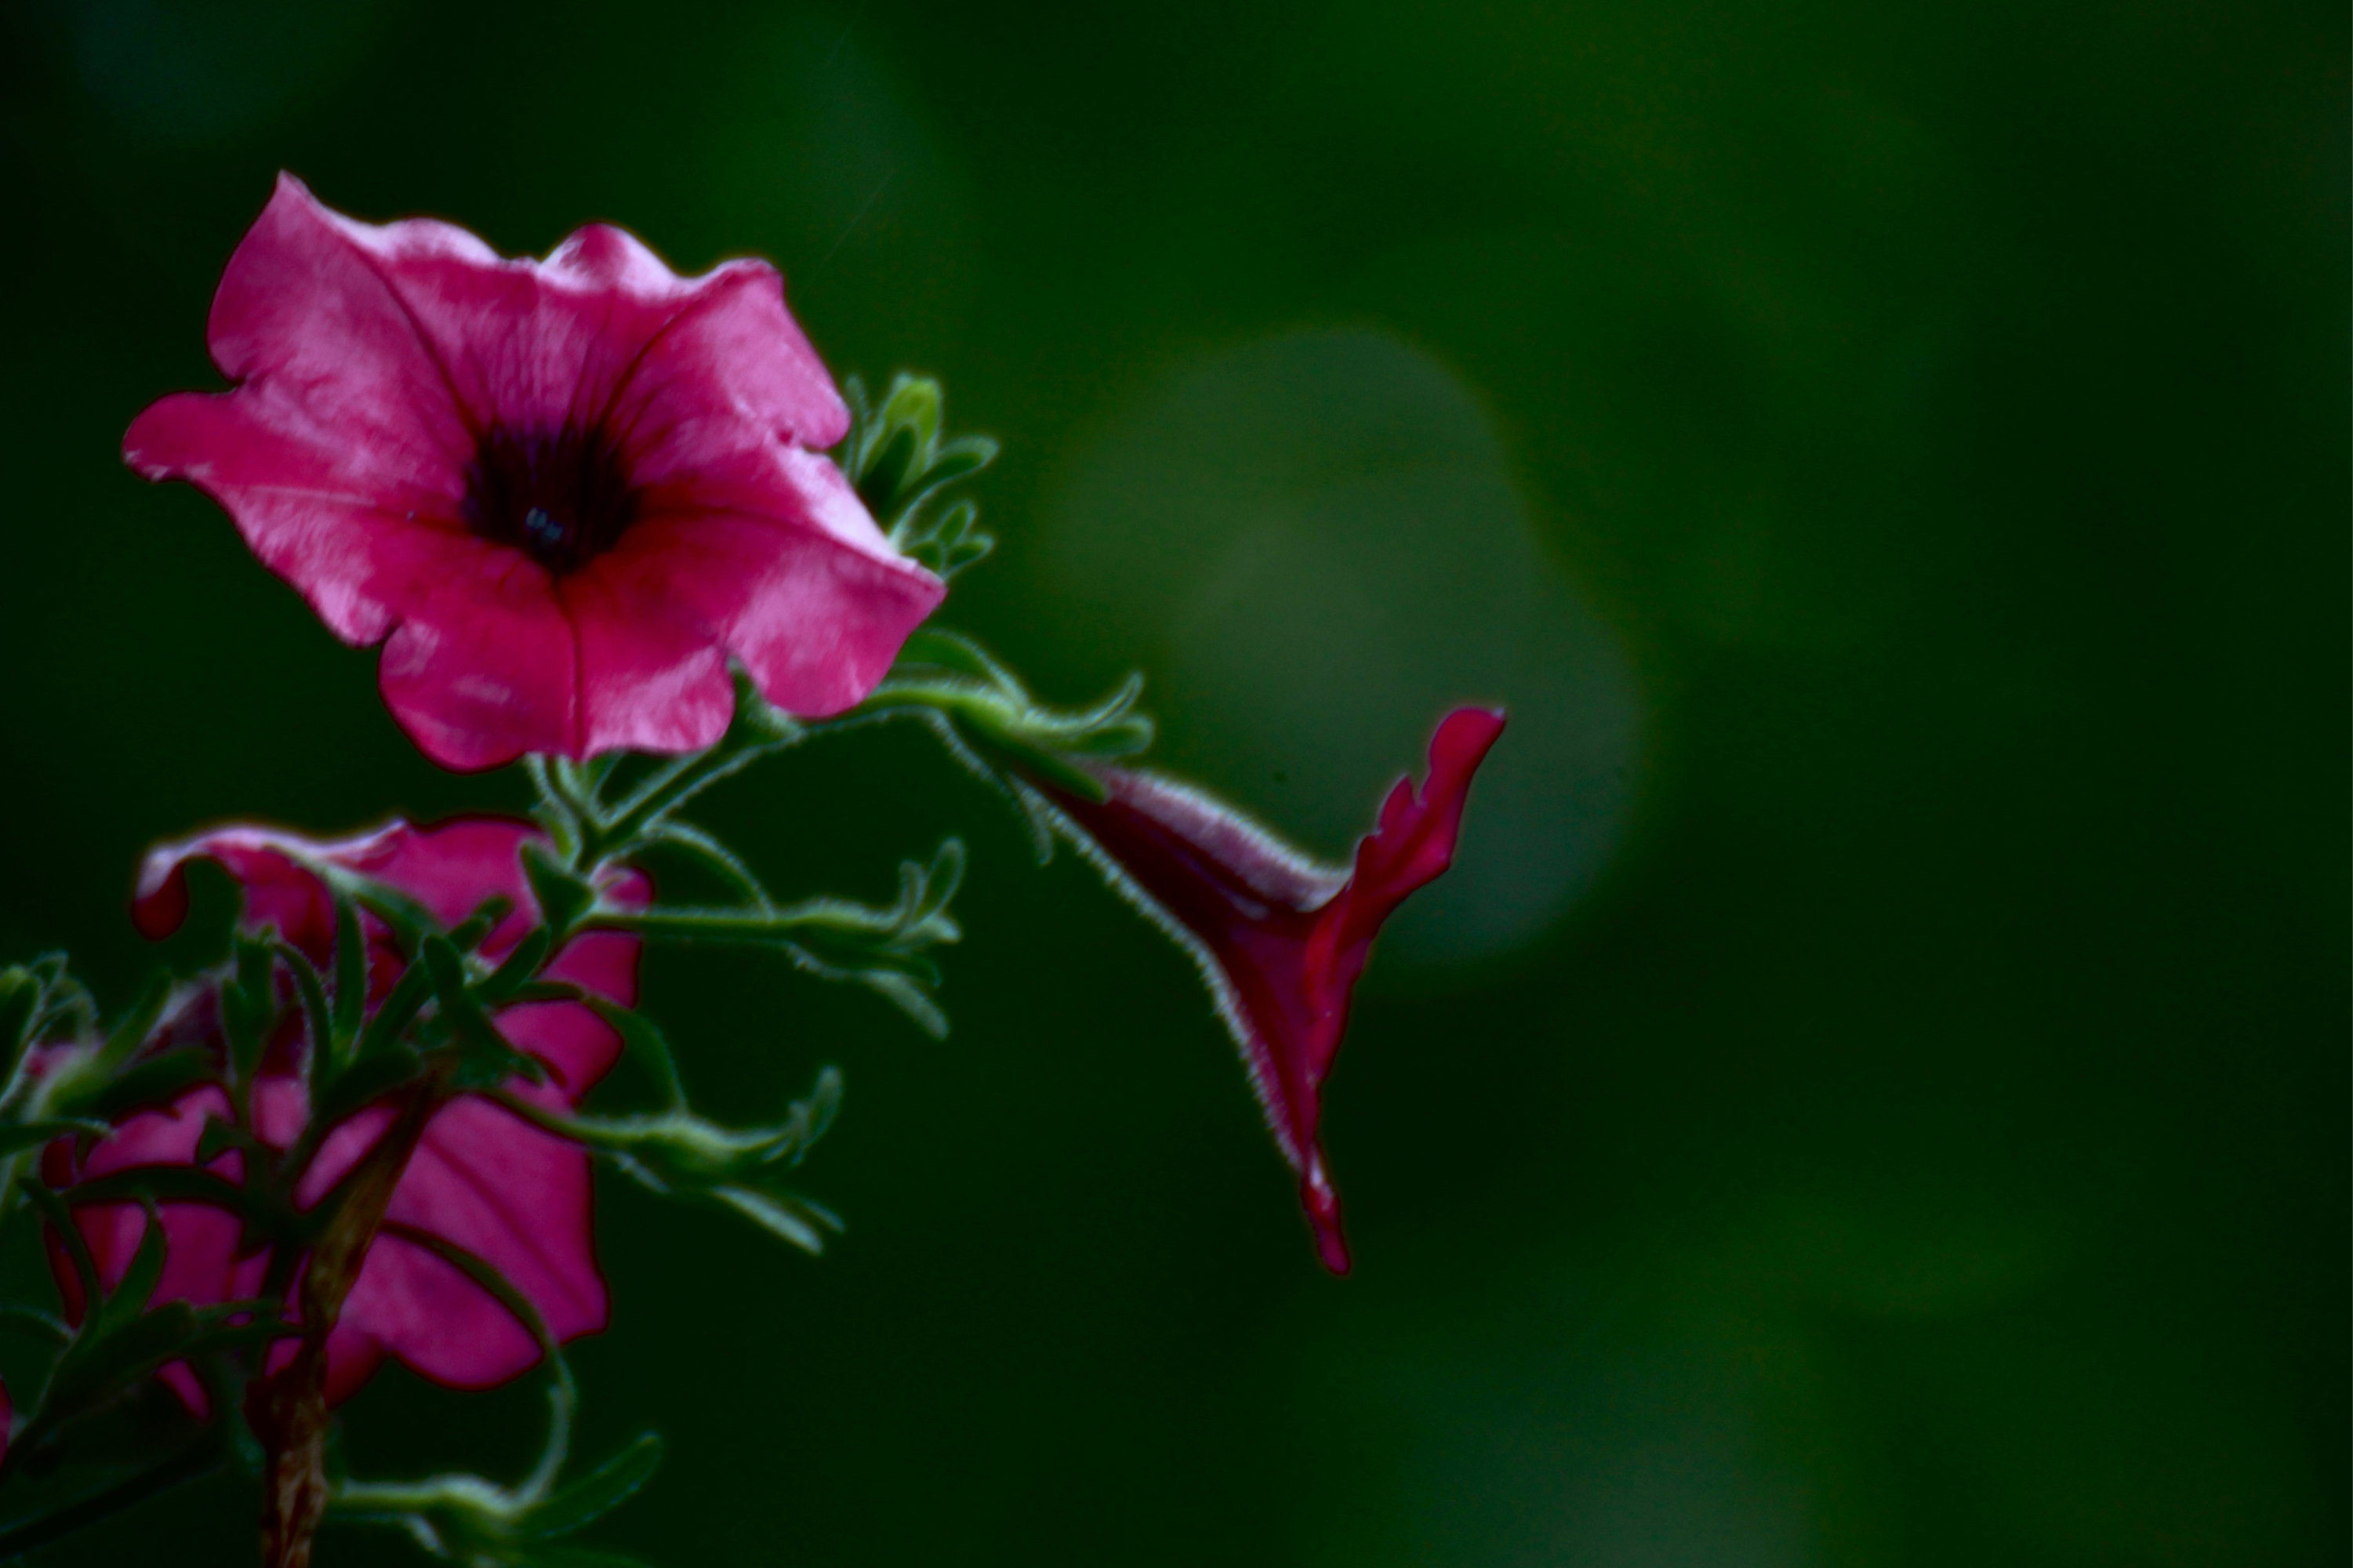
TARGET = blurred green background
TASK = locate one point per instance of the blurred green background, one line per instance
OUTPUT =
(1875, 1090)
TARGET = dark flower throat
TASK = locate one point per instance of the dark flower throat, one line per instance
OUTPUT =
(562, 498)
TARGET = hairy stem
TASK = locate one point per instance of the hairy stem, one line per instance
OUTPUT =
(288, 1407)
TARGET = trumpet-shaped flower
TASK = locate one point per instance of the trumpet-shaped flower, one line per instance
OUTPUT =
(481, 1179)
(1280, 938)
(561, 493)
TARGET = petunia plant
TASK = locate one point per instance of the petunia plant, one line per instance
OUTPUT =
(621, 529)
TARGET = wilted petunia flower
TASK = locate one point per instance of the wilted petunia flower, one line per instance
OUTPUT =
(1280, 938)
(566, 490)
(482, 1178)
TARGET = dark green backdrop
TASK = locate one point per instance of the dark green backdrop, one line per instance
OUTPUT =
(1922, 1139)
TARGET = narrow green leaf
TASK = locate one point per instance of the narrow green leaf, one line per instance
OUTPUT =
(16, 1137)
(563, 895)
(157, 1079)
(879, 487)
(130, 1031)
(954, 651)
(548, 991)
(581, 1503)
(555, 812)
(318, 1019)
(409, 921)
(397, 1011)
(249, 1004)
(139, 1281)
(60, 1219)
(485, 1057)
(173, 1183)
(369, 1079)
(519, 966)
(644, 1043)
(20, 1000)
(471, 932)
(791, 1219)
(713, 855)
(33, 1318)
(351, 976)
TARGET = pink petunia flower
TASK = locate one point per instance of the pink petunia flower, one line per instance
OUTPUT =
(482, 1177)
(565, 492)
(1280, 938)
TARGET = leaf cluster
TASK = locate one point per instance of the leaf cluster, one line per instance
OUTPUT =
(895, 458)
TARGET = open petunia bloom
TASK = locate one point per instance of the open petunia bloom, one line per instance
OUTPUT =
(567, 491)
(1280, 939)
(481, 1179)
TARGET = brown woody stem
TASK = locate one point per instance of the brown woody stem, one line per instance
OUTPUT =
(288, 1408)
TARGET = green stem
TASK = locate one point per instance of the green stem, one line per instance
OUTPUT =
(677, 783)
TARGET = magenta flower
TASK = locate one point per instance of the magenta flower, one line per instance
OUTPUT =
(482, 1177)
(1280, 938)
(566, 490)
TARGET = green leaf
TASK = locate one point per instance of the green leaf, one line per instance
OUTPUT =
(249, 1004)
(713, 855)
(371, 1078)
(556, 810)
(549, 990)
(153, 1081)
(398, 1010)
(956, 653)
(469, 934)
(40, 1322)
(563, 894)
(351, 976)
(175, 1184)
(310, 992)
(959, 459)
(581, 1503)
(886, 472)
(484, 1055)
(408, 920)
(16, 1137)
(111, 1355)
(835, 939)
(520, 967)
(221, 1137)
(130, 1031)
(20, 1002)
(137, 1287)
(645, 1044)
(947, 543)
(69, 1237)
(781, 1215)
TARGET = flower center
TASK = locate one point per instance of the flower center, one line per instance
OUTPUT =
(561, 496)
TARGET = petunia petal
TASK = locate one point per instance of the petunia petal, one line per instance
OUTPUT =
(689, 381)
(357, 539)
(1281, 941)
(652, 678)
(517, 1198)
(481, 1179)
(201, 1263)
(404, 390)
(794, 579)
(488, 668)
